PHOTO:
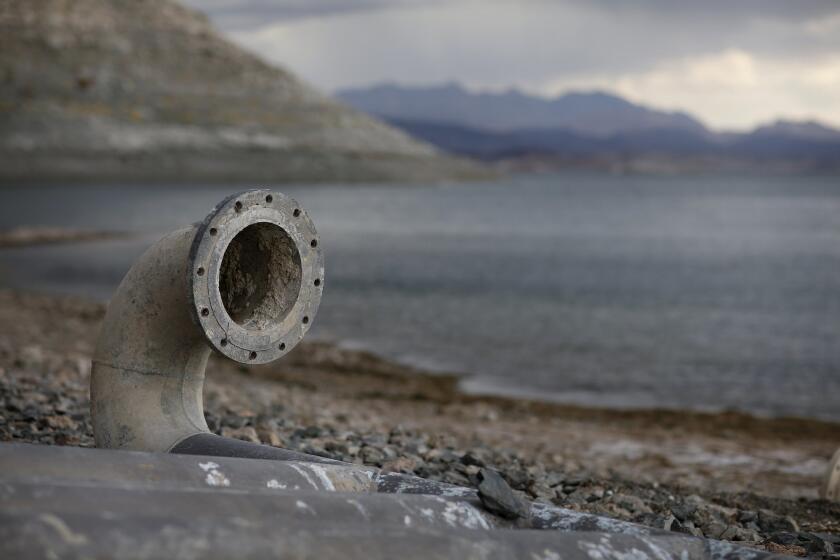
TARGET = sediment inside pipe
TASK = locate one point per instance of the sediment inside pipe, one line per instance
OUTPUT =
(260, 276)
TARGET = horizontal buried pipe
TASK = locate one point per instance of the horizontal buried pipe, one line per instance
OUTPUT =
(246, 282)
(76, 484)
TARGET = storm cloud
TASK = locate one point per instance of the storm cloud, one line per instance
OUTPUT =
(734, 64)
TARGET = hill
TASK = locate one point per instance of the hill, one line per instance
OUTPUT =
(591, 113)
(593, 130)
(148, 89)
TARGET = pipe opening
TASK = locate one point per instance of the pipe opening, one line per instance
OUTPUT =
(260, 276)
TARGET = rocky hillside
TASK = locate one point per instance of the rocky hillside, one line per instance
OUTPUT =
(593, 130)
(148, 89)
(595, 113)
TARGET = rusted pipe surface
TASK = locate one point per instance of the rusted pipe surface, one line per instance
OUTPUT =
(246, 282)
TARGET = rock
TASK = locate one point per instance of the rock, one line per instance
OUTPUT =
(735, 533)
(60, 422)
(595, 493)
(771, 522)
(310, 432)
(815, 544)
(454, 477)
(375, 440)
(688, 528)
(517, 478)
(786, 550)
(234, 421)
(833, 539)
(554, 478)
(269, 437)
(401, 464)
(498, 497)
(656, 521)
(245, 434)
(784, 538)
(371, 455)
(683, 512)
(633, 504)
(714, 530)
(470, 459)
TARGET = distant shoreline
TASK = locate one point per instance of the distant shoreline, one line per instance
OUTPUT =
(29, 236)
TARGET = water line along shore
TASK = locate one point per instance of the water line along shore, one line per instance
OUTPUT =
(728, 475)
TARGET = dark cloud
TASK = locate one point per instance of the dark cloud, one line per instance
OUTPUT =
(244, 14)
(543, 45)
(255, 13)
(738, 10)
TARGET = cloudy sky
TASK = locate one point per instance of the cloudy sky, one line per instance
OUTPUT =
(733, 63)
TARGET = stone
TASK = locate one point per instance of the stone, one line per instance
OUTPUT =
(787, 550)
(634, 504)
(60, 422)
(470, 459)
(815, 544)
(714, 530)
(735, 533)
(771, 522)
(401, 464)
(656, 521)
(311, 432)
(683, 512)
(270, 437)
(371, 455)
(247, 433)
(517, 478)
(498, 497)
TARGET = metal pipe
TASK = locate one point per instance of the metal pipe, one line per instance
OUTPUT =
(245, 282)
(96, 502)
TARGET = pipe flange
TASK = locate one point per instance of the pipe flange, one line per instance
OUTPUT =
(256, 276)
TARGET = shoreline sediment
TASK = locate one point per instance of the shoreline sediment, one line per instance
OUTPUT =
(724, 475)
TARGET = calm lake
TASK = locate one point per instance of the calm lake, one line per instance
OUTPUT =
(703, 292)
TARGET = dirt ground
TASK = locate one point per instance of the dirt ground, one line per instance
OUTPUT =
(732, 459)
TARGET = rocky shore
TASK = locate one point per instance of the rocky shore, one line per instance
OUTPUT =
(120, 90)
(728, 476)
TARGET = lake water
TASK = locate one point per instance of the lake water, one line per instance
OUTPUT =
(701, 292)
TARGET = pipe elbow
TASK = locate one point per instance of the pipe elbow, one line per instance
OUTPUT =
(245, 282)
(831, 485)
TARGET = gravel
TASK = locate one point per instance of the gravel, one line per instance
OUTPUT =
(44, 399)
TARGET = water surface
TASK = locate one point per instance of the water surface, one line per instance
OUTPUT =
(702, 292)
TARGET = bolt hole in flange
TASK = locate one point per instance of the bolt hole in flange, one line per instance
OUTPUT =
(260, 276)
(238, 206)
(269, 199)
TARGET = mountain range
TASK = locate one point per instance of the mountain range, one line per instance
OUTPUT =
(136, 90)
(591, 129)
